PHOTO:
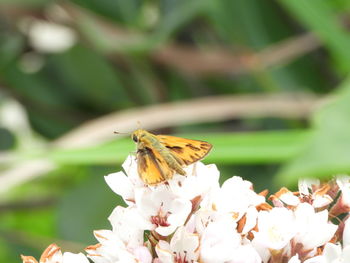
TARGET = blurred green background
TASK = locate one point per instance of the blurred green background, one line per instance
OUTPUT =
(266, 82)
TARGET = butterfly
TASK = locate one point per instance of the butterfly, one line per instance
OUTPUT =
(160, 156)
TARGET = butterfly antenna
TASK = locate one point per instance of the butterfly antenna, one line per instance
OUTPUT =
(116, 132)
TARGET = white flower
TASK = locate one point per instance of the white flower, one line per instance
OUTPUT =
(311, 191)
(53, 254)
(192, 219)
(112, 249)
(276, 228)
(284, 197)
(251, 218)
(306, 185)
(128, 225)
(50, 37)
(183, 247)
(130, 168)
(202, 218)
(125, 242)
(318, 259)
(333, 253)
(162, 209)
(218, 241)
(346, 233)
(125, 185)
(200, 179)
(121, 185)
(313, 229)
(294, 259)
(245, 254)
(235, 196)
(73, 258)
(343, 182)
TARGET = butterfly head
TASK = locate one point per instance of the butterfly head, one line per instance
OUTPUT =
(137, 135)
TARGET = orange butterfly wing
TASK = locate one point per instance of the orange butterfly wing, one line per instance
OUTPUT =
(185, 151)
(152, 167)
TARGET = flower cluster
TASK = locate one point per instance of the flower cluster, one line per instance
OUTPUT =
(193, 219)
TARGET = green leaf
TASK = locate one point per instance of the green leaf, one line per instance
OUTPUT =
(252, 23)
(46, 104)
(320, 17)
(11, 46)
(7, 139)
(328, 152)
(87, 77)
(230, 148)
(182, 12)
(118, 10)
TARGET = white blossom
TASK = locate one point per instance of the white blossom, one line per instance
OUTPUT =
(315, 194)
(192, 219)
(334, 253)
(128, 225)
(313, 228)
(346, 233)
(200, 181)
(125, 184)
(235, 196)
(218, 241)
(337, 253)
(317, 259)
(284, 197)
(164, 211)
(183, 247)
(276, 228)
(245, 254)
(306, 185)
(111, 249)
(53, 254)
(343, 181)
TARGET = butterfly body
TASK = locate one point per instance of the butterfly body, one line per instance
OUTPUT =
(160, 156)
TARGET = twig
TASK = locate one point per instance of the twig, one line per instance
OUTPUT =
(7, 157)
(287, 50)
(24, 172)
(209, 109)
(211, 61)
(191, 59)
(113, 41)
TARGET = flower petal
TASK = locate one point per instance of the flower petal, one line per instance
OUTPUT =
(164, 252)
(74, 258)
(121, 185)
(331, 252)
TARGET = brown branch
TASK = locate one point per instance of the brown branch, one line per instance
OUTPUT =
(190, 59)
(287, 50)
(210, 61)
(113, 40)
(22, 172)
(208, 109)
